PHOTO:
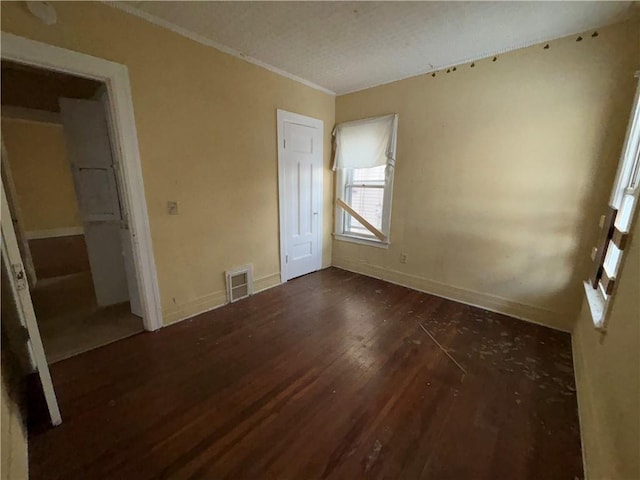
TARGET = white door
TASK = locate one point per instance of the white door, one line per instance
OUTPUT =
(125, 230)
(86, 129)
(300, 187)
(20, 292)
(16, 215)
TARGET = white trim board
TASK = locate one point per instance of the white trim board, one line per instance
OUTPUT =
(210, 43)
(54, 233)
(528, 313)
(116, 78)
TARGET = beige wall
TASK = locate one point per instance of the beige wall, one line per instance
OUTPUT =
(499, 170)
(13, 449)
(40, 169)
(608, 379)
(206, 125)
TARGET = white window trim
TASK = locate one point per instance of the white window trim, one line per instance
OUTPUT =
(362, 240)
(599, 302)
(386, 205)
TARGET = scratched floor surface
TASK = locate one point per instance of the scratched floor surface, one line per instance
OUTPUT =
(333, 375)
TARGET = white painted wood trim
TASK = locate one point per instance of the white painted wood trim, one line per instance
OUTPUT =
(16, 211)
(30, 115)
(343, 237)
(284, 116)
(26, 313)
(210, 43)
(116, 78)
(599, 303)
(54, 233)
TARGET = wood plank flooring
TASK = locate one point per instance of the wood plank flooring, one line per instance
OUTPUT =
(328, 376)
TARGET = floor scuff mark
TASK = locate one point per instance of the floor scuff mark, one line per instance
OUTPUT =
(444, 350)
(373, 455)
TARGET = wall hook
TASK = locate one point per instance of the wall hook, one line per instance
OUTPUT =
(546, 47)
(579, 39)
(594, 34)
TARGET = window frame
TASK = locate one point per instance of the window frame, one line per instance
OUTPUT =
(345, 175)
(626, 185)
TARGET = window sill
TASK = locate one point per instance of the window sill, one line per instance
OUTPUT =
(597, 306)
(361, 240)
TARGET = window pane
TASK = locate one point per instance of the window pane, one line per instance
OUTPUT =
(623, 220)
(612, 260)
(373, 175)
(367, 202)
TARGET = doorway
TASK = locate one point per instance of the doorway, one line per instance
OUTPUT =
(59, 175)
(121, 120)
(300, 175)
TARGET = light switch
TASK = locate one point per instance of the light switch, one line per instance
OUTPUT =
(172, 208)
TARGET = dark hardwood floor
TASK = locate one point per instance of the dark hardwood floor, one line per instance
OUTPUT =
(328, 376)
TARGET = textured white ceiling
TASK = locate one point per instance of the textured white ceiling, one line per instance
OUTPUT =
(348, 46)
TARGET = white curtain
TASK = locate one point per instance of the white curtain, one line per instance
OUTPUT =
(365, 143)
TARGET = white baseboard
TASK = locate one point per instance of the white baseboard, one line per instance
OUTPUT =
(213, 300)
(529, 313)
(54, 232)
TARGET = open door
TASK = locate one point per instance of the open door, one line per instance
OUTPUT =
(19, 290)
(16, 217)
(107, 234)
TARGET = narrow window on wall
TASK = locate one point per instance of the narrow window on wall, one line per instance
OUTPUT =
(364, 164)
(616, 224)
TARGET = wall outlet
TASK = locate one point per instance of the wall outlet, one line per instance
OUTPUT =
(172, 208)
(403, 258)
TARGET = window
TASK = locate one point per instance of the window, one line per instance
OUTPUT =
(364, 164)
(616, 224)
(364, 191)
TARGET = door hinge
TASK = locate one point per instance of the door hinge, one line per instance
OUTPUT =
(284, 144)
(18, 274)
(286, 259)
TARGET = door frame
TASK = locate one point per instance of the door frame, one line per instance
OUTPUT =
(282, 117)
(126, 153)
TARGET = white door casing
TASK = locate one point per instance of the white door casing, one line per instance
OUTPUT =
(22, 297)
(300, 172)
(135, 299)
(85, 128)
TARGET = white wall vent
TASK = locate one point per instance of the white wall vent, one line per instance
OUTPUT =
(239, 283)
